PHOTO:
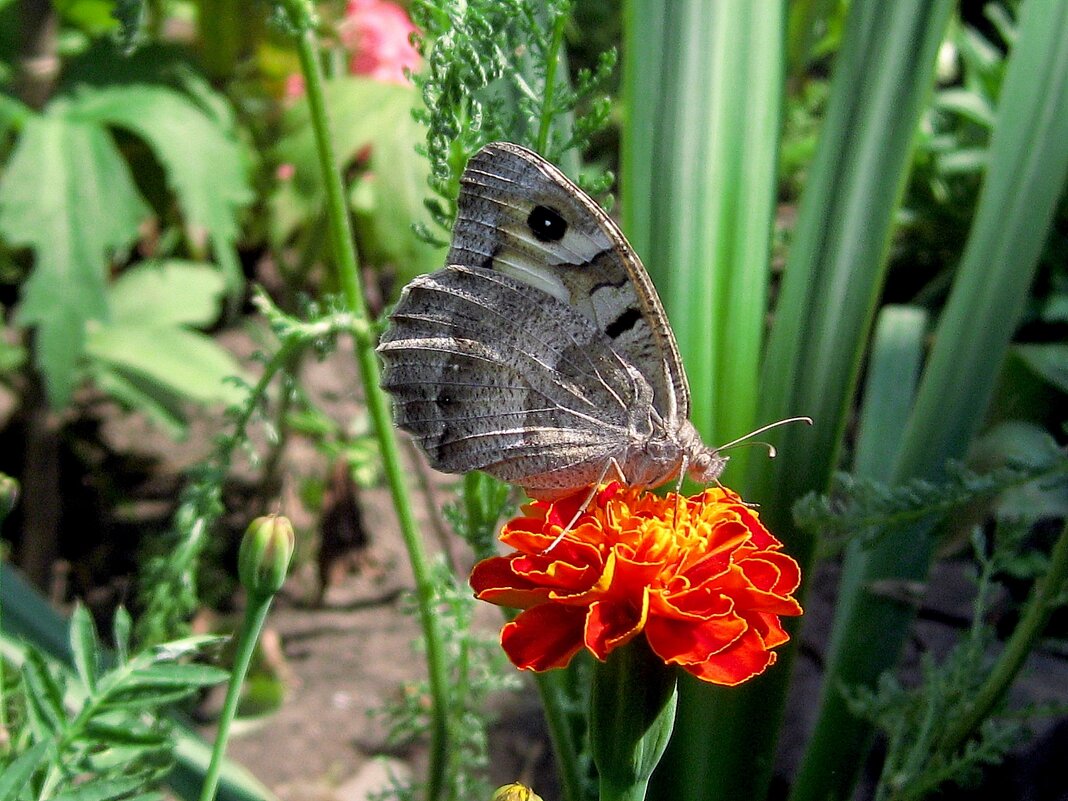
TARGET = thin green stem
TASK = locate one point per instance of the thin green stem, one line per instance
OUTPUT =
(344, 250)
(554, 706)
(1028, 630)
(546, 122)
(255, 615)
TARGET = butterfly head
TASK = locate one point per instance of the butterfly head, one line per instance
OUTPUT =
(706, 465)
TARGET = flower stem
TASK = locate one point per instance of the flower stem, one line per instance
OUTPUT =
(1028, 630)
(554, 707)
(255, 614)
(632, 713)
(301, 15)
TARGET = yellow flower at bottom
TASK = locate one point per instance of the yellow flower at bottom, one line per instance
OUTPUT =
(706, 589)
(515, 792)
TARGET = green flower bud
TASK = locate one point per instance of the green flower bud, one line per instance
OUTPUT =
(265, 552)
(9, 495)
(515, 792)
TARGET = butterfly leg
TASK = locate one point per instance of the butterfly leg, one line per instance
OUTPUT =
(678, 487)
(594, 489)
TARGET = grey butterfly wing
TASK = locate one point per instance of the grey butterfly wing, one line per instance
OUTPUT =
(489, 373)
(519, 215)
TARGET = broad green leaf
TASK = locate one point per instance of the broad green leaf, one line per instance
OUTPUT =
(167, 292)
(91, 16)
(178, 360)
(1019, 442)
(161, 405)
(68, 195)
(15, 776)
(1049, 361)
(399, 186)
(205, 164)
(85, 646)
(12, 357)
(372, 117)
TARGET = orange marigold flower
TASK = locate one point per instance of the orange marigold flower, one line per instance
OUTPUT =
(706, 591)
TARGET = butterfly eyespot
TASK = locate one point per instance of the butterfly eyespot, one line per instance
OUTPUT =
(547, 224)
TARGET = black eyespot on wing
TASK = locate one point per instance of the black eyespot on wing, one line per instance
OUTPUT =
(622, 324)
(444, 400)
(547, 224)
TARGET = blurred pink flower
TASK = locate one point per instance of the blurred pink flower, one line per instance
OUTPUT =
(378, 34)
(293, 86)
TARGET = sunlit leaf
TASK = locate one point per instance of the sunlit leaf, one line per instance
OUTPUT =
(206, 167)
(67, 194)
(178, 360)
(167, 292)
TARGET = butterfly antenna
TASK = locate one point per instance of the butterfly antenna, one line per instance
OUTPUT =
(771, 448)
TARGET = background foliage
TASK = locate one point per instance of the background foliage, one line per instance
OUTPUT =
(853, 211)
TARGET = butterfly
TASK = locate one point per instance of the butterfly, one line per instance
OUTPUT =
(541, 353)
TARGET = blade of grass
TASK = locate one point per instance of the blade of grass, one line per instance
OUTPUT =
(703, 92)
(699, 161)
(893, 374)
(833, 278)
(1027, 169)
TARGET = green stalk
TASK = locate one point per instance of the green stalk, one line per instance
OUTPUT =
(554, 705)
(1027, 168)
(632, 710)
(1040, 607)
(301, 15)
(255, 615)
(545, 125)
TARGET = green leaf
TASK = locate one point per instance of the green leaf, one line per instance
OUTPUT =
(44, 695)
(171, 292)
(970, 105)
(68, 195)
(121, 627)
(16, 775)
(126, 732)
(1049, 361)
(363, 114)
(171, 676)
(205, 164)
(179, 361)
(163, 407)
(101, 790)
(85, 646)
(148, 699)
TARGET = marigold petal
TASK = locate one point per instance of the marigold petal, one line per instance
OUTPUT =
(495, 581)
(773, 572)
(684, 642)
(609, 625)
(544, 637)
(741, 660)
